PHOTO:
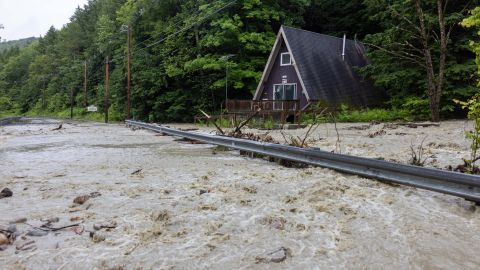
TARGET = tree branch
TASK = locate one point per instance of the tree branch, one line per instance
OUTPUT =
(408, 56)
(405, 18)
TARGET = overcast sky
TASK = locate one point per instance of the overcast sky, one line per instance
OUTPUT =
(27, 18)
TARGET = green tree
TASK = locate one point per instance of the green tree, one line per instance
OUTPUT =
(420, 51)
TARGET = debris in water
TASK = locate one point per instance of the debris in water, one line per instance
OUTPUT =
(279, 223)
(58, 128)
(203, 191)
(76, 219)
(97, 237)
(7, 235)
(37, 233)
(4, 239)
(79, 229)
(136, 172)
(162, 215)
(6, 192)
(95, 194)
(105, 225)
(50, 220)
(18, 220)
(61, 228)
(250, 189)
(377, 133)
(25, 245)
(207, 207)
(81, 199)
(361, 127)
(276, 256)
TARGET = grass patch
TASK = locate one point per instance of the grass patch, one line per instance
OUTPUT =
(9, 113)
(369, 115)
(78, 114)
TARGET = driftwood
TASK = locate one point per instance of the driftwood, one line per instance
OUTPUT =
(239, 127)
(136, 172)
(415, 125)
(209, 118)
(63, 227)
(306, 134)
(58, 128)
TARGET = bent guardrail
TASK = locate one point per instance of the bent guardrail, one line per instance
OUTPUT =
(458, 184)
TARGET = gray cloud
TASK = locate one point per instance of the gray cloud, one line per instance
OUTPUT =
(27, 18)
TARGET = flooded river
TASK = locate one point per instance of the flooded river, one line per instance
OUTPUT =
(182, 206)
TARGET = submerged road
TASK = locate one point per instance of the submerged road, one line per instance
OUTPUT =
(198, 207)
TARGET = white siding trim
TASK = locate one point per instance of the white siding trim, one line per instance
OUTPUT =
(271, 60)
(268, 66)
(295, 64)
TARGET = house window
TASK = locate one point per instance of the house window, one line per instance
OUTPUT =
(283, 92)
(285, 59)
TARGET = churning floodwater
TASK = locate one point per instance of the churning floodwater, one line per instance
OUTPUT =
(182, 206)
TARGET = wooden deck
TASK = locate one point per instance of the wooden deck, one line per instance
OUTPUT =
(267, 106)
(277, 110)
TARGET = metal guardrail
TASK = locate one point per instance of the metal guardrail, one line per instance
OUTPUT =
(8, 120)
(458, 184)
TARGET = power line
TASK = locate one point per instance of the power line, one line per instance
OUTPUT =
(193, 10)
(201, 20)
(179, 31)
(188, 27)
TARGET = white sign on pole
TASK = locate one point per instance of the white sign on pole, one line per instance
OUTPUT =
(92, 108)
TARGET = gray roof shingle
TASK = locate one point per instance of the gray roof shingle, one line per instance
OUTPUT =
(325, 75)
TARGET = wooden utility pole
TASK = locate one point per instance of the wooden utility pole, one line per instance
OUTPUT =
(71, 103)
(129, 93)
(85, 101)
(106, 91)
(43, 95)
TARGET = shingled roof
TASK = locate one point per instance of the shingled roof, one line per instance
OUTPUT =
(324, 74)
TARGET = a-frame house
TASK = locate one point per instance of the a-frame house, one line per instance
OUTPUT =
(311, 67)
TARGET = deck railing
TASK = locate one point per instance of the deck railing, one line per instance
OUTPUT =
(245, 106)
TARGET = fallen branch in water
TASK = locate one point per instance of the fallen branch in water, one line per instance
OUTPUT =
(215, 124)
(58, 128)
(63, 227)
(238, 129)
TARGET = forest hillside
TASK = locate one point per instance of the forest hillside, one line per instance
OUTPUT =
(421, 55)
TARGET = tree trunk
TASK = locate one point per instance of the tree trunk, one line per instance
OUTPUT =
(434, 83)
(443, 53)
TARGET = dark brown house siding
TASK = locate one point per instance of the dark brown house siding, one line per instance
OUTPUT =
(277, 76)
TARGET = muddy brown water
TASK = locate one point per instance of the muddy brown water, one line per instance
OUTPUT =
(325, 219)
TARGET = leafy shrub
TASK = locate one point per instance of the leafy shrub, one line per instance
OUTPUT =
(56, 103)
(368, 115)
(7, 104)
(268, 124)
(473, 107)
(418, 108)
